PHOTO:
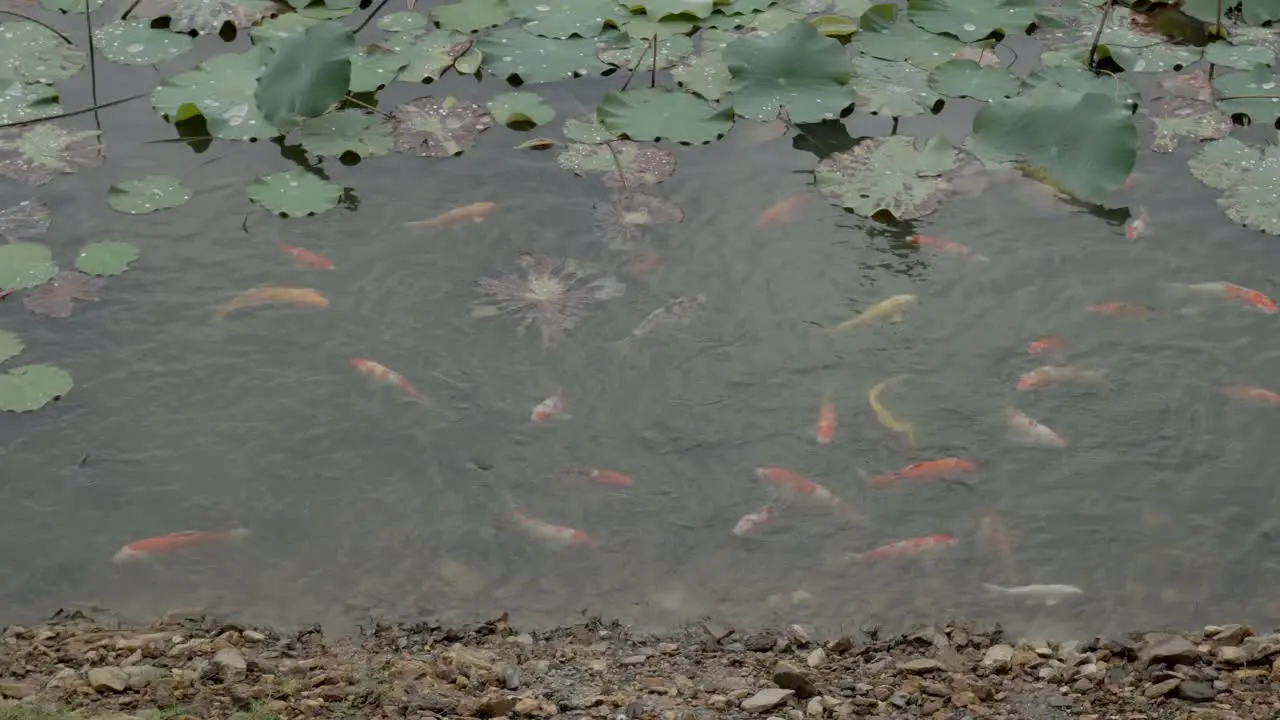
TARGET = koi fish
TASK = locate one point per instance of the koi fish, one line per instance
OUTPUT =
(794, 486)
(949, 247)
(677, 311)
(1025, 431)
(883, 415)
(1047, 345)
(1231, 291)
(307, 258)
(383, 374)
(604, 477)
(824, 431)
(151, 547)
(1137, 226)
(907, 548)
(940, 469)
(752, 520)
(1046, 375)
(1252, 394)
(550, 409)
(891, 309)
(993, 537)
(781, 211)
(1048, 594)
(256, 297)
(474, 212)
(6, 293)
(554, 535)
(1121, 309)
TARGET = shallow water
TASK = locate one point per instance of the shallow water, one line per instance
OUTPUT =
(1161, 506)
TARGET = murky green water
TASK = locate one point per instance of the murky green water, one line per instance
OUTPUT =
(1160, 508)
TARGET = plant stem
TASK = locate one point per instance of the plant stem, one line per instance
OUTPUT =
(635, 65)
(1249, 97)
(1097, 35)
(622, 178)
(73, 113)
(93, 66)
(653, 77)
(51, 29)
(371, 16)
(367, 106)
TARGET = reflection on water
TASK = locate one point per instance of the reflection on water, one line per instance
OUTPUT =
(1159, 507)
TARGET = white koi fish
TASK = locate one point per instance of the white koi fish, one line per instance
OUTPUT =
(1048, 594)
(1025, 431)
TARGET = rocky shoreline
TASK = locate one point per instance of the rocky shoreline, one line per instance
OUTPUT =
(203, 668)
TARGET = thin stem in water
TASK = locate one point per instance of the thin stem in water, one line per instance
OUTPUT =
(1097, 35)
(653, 77)
(73, 113)
(93, 66)
(367, 106)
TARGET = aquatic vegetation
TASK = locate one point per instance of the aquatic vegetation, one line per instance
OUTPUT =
(306, 76)
(1249, 177)
(55, 297)
(110, 257)
(663, 114)
(438, 127)
(31, 387)
(135, 42)
(36, 154)
(294, 193)
(207, 17)
(27, 219)
(552, 293)
(148, 194)
(622, 163)
(521, 110)
(622, 222)
(888, 174)
(35, 54)
(25, 265)
(968, 78)
(1178, 118)
(796, 69)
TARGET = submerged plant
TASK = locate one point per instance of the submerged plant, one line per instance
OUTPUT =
(54, 298)
(622, 222)
(553, 293)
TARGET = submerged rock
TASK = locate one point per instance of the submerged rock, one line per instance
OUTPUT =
(766, 700)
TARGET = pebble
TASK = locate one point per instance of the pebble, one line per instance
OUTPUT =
(999, 658)
(766, 700)
(1160, 689)
(920, 665)
(788, 677)
(106, 679)
(1167, 648)
(817, 658)
(815, 708)
(231, 661)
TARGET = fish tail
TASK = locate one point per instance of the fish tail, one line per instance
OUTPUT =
(995, 588)
(238, 534)
(220, 312)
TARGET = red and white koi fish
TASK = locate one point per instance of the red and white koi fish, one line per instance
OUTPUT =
(824, 432)
(151, 547)
(554, 535)
(940, 469)
(1047, 375)
(793, 486)
(949, 247)
(1252, 394)
(383, 374)
(781, 211)
(604, 477)
(6, 293)
(550, 409)
(1025, 431)
(1137, 226)
(753, 520)
(1230, 291)
(907, 548)
(1047, 345)
(1121, 309)
(307, 258)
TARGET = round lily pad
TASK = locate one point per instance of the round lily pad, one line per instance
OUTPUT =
(896, 89)
(561, 19)
(966, 78)
(470, 16)
(671, 52)
(135, 42)
(221, 89)
(402, 21)
(347, 131)
(512, 52)
(1254, 91)
(663, 113)
(1249, 177)
(36, 154)
(294, 193)
(641, 164)
(1240, 57)
(707, 75)
(148, 194)
(110, 257)
(522, 109)
(888, 174)
(206, 17)
(972, 20)
(438, 127)
(587, 130)
(307, 76)
(31, 387)
(886, 33)
(25, 265)
(10, 345)
(35, 54)
(21, 101)
(796, 69)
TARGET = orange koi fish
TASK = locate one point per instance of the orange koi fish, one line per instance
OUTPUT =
(1047, 375)
(151, 547)
(554, 535)
(1025, 431)
(381, 373)
(1252, 394)
(550, 409)
(307, 258)
(781, 211)
(1044, 346)
(824, 431)
(1230, 291)
(306, 297)
(794, 486)
(940, 469)
(1137, 226)
(907, 548)
(949, 247)
(753, 520)
(604, 477)
(475, 212)
(1121, 309)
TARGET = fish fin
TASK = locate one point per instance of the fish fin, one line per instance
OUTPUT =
(220, 312)
(1050, 602)
(866, 476)
(239, 534)
(896, 317)
(995, 588)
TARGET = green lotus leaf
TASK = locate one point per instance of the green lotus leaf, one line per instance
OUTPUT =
(37, 153)
(346, 131)
(561, 19)
(663, 114)
(71, 7)
(10, 345)
(966, 78)
(21, 101)
(796, 69)
(408, 21)
(25, 265)
(31, 387)
(468, 16)
(1141, 51)
(643, 26)
(206, 17)
(641, 164)
(438, 127)
(135, 42)
(307, 76)
(895, 89)
(1240, 57)
(671, 52)
(524, 109)
(745, 7)
(428, 55)
(1083, 81)
(27, 219)
(294, 193)
(512, 52)
(1248, 176)
(765, 23)
(148, 194)
(1086, 143)
(835, 26)
(587, 130)
(972, 20)
(469, 62)
(1260, 81)
(659, 9)
(110, 257)
(35, 54)
(888, 174)
(372, 70)
(1257, 12)
(887, 34)
(1177, 118)
(272, 32)
(707, 75)
(222, 90)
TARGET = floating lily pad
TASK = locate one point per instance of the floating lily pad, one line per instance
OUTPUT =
(346, 131)
(1087, 143)
(408, 21)
(1259, 81)
(71, 7)
(1178, 118)
(835, 26)
(27, 219)
(1138, 50)
(35, 54)
(55, 298)
(207, 17)
(524, 109)
(643, 26)
(31, 387)
(1082, 81)
(110, 257)
(25, 265)
(966, 78)
(10, 345)
(135, 42)
(148, 194)
(221, 89)
(1240, 57)
(21, 101)
(587, 130)
(895, 89)
(470, 16)
(972, 20)
(294, 193)
(272, 32)
(427, 56)
(639, 53)
(1257, 12)
(888, 174)
(1248, 176)
(438, 127)
(307, 76)
(887, 34)
(37, 153)
(795, 69)
(622, 222)
(562, 19)
(512, 52)
(707, 75)
(663, 114)
(659, 9)
(371, 68)
(641, 164)
(744, 7)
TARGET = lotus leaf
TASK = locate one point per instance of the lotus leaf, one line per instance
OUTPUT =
(31, 387)
(371, 68)
(25, 265)
(659, 9)
(745, 7)
(972, 20)
(1087, 143)
(1257, 12)
(796, 70)
(524, 109)
(512, 52)
(10, 345)
(294, 193)
(404, 21)
(206, 17)
(346, 131)
(888, 174)
(21, 101)
(328, 9)
(663, 114)
(834, 26)
(1141, 51)
(1259, 81)
(561, 19)
(587, 130)
(1177, 118)
(71, 7)
(148, 194)
(307, 76)
(438, 127)
(1083, 81)
(274, 31)
(887, 34)
(468, 16)
(895, 89)
(1240, 57)
(671, 51)
(35, 54)
(35, 154)
(110, 257)
(768, 22)
(641, 164)
(643, 26)
(135, 42)
(468, 63)
(1248, 176)
(221, 89)
(27, 219)
(966, 78)
(707, 75)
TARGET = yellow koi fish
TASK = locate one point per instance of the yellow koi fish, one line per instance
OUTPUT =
(474, 212)
(891, 310)
(885, 417)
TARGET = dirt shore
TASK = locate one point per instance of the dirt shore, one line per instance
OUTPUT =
(202, 668)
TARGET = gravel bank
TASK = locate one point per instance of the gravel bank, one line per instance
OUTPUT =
(203, 668)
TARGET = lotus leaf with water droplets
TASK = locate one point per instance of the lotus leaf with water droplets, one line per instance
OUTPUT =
(37, 153)
(641, 164)
(438, 127)
(888, 174)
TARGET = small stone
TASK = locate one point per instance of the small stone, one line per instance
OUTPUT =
(668, 648)
(999, 658)
(522, 639)
(934, 688)
(817, 658)
(231, 661)
(1231, 656)
(1059, 701)
(760, 642)
(794, 714)
(1196, 691)
(900, 699)
(1231, 634)
(253, 636)
(1167, 648)
(1161, 689)
(633, 660)
(105, 679)
(1083, 685)
(964, 699)
(766, 700)
(527, 706)
(920, 666)
(798, 635)
(141, 676)
(815, 708)
(16, 691)
(786, 676)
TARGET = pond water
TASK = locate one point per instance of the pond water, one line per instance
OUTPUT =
(1161, 507)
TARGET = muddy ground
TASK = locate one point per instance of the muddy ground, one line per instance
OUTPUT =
(202, 668)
